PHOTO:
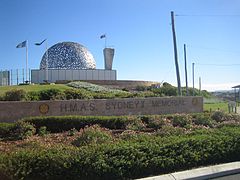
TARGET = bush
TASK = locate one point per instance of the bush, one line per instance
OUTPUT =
(123, 94)
(42, 131)
(22, 130)
(15, 131)
(32, 96)
(15, 95)
(56, 124)
(234, 117)
(218, 116)
(141, 88)
(91, 87)
(155, 122)
(77, 94)
(92, 135)
(181, 120)
(158, 92)
(204, 120)
(1, 98)
(103, 95)
(168, 90)
(136, 125)
(5, 129)
(167, 130)
(146, 94)
(72, 132)
(49, 94)
(124, 159)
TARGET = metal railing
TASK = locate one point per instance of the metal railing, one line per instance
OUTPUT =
(14, 77)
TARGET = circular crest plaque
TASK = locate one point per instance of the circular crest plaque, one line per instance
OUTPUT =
(43, 108)
(194, 101)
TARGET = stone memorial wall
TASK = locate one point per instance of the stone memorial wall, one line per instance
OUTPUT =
(12, 111)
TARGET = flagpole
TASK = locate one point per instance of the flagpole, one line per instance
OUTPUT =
(26, 61)
(105, 41)
(46, 62)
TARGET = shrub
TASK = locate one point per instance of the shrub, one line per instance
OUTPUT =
(155, 122)
(218, 116)
(181, 120)
(49, 94)
(65, 123)
(103, 95)
(123, 94)
(204, 120)
(125, 89)
(168, 90)
(157, 91)
(125, 159)
(92, 135)
(5, 129)
(136, 125)
(91, 87)
(1, 98)
(22, 130)
(141, 88)
(146, 94)
(32, 96)
(42, 131)
(234, 117)
(77, 94)
(72, 132)
(128, 134)
(15, 95)
(168, 130)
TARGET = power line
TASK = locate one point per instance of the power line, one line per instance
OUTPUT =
(217, 64)
(209, 15)
(214, 49)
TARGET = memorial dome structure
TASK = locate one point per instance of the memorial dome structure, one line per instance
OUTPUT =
(68, 55)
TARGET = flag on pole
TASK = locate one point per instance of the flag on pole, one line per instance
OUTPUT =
(39, 44)
(103, 36)
(22, 44)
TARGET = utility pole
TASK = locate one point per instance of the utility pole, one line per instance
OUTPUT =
(175, 54)
(200, 85)
(193, 76)
(185, 60)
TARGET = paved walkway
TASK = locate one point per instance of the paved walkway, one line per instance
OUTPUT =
(228, 171)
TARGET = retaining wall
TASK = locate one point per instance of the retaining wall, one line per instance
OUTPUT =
(12, 111)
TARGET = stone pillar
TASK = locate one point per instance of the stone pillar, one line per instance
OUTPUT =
(108, 57)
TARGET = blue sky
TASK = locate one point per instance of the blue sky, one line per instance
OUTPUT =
(140, 32)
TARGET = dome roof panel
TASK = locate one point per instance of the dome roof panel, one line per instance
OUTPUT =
(68, 55)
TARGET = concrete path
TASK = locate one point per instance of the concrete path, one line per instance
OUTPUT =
(228, 171)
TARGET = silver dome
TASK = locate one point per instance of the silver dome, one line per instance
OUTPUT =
(68, 55)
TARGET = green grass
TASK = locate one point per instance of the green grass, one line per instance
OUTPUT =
(216, 106)
(35, 87)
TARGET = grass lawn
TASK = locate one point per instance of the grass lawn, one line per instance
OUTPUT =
(35, 87)
(215, 106)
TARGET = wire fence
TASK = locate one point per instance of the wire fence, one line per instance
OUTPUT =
(14, 77)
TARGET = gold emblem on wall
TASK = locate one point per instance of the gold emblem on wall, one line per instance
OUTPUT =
(43, 108)
(194, 101)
